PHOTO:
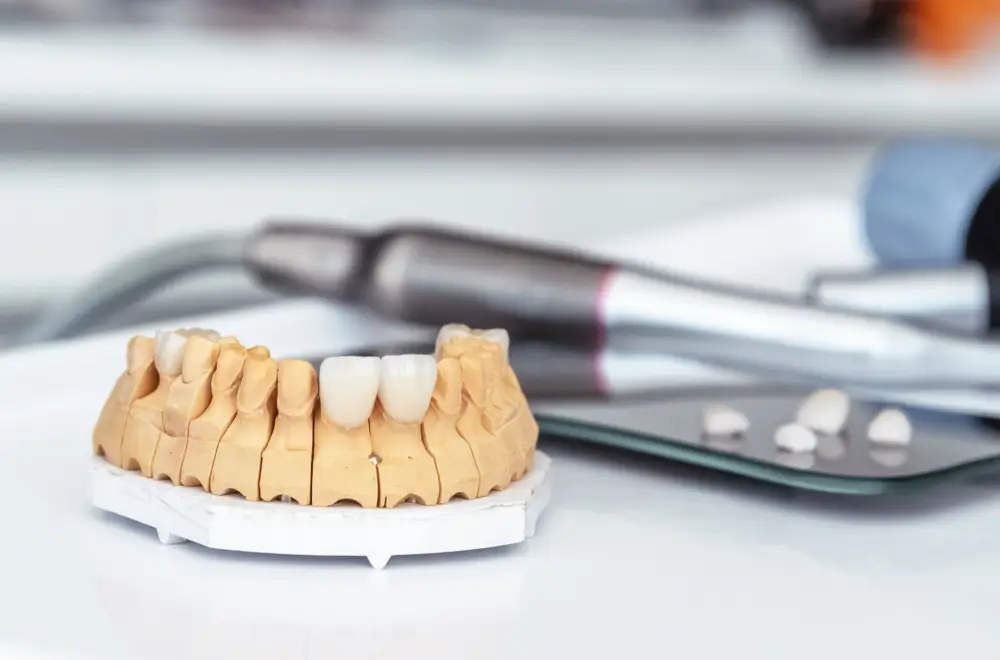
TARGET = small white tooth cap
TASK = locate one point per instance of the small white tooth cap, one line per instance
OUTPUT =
(348, 386)
(449, 332)
(718, 419)
(795, 438)
(891, 427)
(169, 351)
(407, 385)
(825, 411)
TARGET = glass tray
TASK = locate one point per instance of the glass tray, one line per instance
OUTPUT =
(945, 447)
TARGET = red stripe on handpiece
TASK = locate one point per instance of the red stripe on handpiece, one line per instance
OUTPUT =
(601, 317)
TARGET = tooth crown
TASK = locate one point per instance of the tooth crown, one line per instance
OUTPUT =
(140, 353)
(297, 387)
(229, 369)
(201, 354)
(260, 376)
(374, 431)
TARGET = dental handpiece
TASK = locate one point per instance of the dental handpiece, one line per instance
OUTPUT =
(429, 275)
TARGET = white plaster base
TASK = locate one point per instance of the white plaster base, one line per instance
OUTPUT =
(231, 523)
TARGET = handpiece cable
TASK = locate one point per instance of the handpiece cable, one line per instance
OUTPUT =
(133, 279)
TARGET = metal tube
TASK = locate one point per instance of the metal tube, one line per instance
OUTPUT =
(956, 299)
(431, 276)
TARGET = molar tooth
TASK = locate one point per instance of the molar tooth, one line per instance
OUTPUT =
(449, 332)
(169, 351)
(406, 386)
(348, 386)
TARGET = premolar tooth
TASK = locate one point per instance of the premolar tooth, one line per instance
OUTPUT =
(498, 336)
(406, 386)
(140, 350)
(449, 332)
(348, 386)
(211, 335)
(169, 351)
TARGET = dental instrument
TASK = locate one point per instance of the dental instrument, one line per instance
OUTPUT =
(432, 276)
(964, 298)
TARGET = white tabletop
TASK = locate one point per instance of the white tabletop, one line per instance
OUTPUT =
(633, 554)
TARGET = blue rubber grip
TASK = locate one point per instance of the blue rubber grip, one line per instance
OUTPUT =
(921, 195)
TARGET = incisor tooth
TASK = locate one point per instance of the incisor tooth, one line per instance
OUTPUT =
(447, 333)
(406, 386)
(348, 386)
(170, 351)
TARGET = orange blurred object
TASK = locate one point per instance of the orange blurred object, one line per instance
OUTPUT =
(946, 28)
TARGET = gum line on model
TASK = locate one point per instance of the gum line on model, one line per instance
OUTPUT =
(203, 410)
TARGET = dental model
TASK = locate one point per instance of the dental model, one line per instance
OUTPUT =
(203, 411)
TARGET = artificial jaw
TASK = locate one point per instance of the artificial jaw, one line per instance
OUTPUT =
(371, 437)
(348, 386)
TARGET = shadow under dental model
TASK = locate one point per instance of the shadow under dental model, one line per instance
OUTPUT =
(203, 410)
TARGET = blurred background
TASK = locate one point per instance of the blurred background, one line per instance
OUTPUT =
(127, 123)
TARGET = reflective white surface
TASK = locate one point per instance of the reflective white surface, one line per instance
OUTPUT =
(631, 555)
